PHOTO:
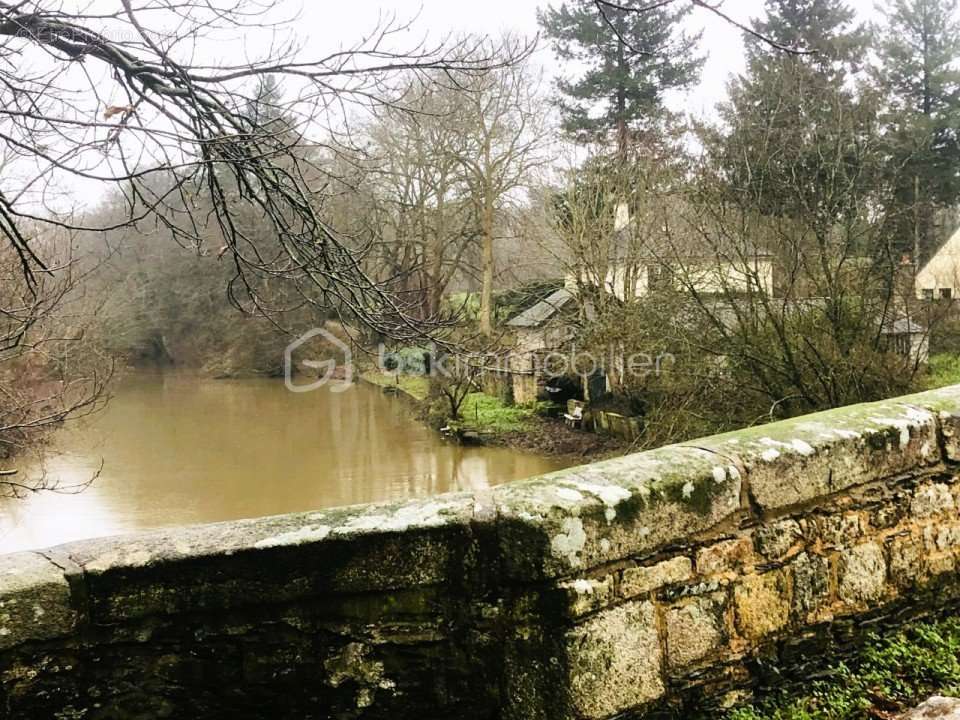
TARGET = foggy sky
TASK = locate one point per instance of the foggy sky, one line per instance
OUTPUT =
(320, 27)
(329, 23)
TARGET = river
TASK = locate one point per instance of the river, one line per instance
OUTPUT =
(178, 449)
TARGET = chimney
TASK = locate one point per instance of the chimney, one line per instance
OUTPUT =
(622, 217)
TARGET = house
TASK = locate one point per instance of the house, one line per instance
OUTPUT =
(939, 278)
(631, 267)
(540, 328)
(708, 275)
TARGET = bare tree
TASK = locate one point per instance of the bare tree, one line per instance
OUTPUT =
(124, 99)
(47, 370)
(455, 384)
(786, 251)
(606, 214)
(505, 136)
(419, 216)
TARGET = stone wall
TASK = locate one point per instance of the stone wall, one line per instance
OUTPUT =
(676, 579)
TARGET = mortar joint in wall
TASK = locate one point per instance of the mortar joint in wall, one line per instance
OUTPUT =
(660, 624)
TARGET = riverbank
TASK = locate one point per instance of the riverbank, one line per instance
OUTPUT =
(488, 421)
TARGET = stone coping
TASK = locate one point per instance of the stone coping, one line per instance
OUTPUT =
(554, 526)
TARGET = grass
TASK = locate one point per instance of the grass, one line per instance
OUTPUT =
(892, 674)
(944, 369)
(417, 386)
(488, 414)
(480, 412)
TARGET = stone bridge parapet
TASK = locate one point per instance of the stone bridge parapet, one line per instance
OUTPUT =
(680, 578)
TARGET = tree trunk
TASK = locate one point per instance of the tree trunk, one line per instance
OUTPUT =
(623, 139)
(916, 226)
(436, 257)
(486, 290)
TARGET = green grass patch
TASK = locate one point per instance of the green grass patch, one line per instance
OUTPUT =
(417, 386)
(467, 304)
(488, 414)
(481, 412)
(893, 673)
(944, 369)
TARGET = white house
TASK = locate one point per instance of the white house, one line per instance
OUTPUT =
(703, 273)
(686, 263)
(940, 277)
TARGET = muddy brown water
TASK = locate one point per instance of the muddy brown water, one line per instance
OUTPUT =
(178, 449)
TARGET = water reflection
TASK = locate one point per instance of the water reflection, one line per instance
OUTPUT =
(178, 449)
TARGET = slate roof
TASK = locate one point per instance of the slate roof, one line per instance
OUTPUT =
(538, 314)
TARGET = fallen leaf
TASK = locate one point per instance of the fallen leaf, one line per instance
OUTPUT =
(116, 110)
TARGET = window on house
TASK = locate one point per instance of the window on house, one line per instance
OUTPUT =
(946, 293)
(928, 293)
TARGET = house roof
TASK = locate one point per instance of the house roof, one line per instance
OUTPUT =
(951, 240)
(538, 314)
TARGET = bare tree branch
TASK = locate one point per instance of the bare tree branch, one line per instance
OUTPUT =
(715, 8)
(178, 142)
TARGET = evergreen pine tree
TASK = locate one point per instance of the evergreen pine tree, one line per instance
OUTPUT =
(267, 115)
(631, 59)
(919, 52)
(787, 110)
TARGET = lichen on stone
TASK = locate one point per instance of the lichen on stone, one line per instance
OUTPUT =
(569, 543)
